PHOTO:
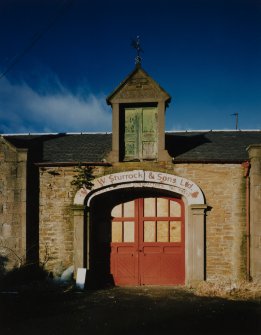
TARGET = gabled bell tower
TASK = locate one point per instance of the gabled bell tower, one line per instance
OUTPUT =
(138, 119)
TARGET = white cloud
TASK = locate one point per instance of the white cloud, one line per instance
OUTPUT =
(23, 109)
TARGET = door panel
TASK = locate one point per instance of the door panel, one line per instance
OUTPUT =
(140, 133)
(132, 131)
(148, 242)
(124, 265)
(149, 133)
(150, 264)
(124, 249)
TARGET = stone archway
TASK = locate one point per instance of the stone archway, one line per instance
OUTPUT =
(140, 179)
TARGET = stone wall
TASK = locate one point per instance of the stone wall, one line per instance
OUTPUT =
(12, 203)
(224, 190)
(56, 224)
(56, 218)
(255, 212)
(222, 184)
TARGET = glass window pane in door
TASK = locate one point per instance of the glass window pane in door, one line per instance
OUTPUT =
(149, 231)
(116, 231)
(162, 231)
(175, 231)
(128, 231)
(117, 211)
(128, 209)
(175, 208)
(149, 207)
(162, 207)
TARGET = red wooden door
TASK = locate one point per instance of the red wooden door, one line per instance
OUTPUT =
(124, 244)
(147, 245)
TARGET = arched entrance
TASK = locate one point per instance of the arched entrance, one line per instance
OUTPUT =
(143, 227)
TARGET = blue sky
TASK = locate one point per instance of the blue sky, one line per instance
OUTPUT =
(205, 53)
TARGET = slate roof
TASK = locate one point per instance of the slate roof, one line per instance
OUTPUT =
(64, 147)
(198, 146)
(211, 146)
(85, 147)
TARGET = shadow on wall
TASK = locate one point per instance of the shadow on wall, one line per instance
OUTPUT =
(99, 274)
(35, 146)
(3, 263)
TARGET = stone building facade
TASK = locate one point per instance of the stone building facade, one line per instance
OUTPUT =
(13, 175)
(164, 208)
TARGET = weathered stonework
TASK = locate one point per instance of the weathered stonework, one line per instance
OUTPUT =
(56, 226)
(255, 214)
(56, 217)
(225, 220)
(12, 203)
(139, 87)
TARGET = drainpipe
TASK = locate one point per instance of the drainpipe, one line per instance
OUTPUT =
(246, 166)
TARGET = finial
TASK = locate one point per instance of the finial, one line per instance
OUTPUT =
(136, 45)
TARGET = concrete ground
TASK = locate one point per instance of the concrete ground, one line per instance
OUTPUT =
(136, 310)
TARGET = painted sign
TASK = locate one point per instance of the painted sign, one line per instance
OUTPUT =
(140, 178)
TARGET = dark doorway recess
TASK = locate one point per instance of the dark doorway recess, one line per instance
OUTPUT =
(137, 237)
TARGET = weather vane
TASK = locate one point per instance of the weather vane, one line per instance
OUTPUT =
(136, 45)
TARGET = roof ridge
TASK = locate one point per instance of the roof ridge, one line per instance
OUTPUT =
(109, 132)
(212, 130)
(68, 133)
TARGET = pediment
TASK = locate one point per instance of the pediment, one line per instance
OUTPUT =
(138, 86)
